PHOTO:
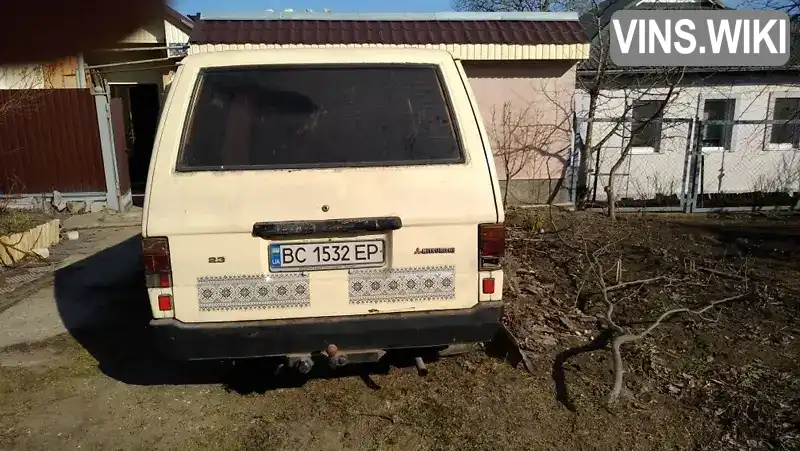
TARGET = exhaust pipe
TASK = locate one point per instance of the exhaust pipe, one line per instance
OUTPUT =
(422, 370)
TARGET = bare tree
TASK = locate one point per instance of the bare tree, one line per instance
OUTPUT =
(522, 139)
(610, 96)
(519, 5)
(791, 7)
(601, 83)
(20, 84)
(20, 87)
(631, 96)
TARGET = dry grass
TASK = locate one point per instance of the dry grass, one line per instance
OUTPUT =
(12, 221)
(730, 383)
(735, 367)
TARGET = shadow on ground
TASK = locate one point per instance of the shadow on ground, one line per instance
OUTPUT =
(775, 238)
(102, 302)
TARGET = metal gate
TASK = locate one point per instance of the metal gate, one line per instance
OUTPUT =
(681, 174)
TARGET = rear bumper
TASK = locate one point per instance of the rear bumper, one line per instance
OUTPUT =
(247, 339)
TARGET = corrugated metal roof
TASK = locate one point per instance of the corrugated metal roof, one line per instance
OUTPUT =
(391, 32)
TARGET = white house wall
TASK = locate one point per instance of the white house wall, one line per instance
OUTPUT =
(174, 36)
(752, 164)
(538, 94)
(749, 166)
(150, 34)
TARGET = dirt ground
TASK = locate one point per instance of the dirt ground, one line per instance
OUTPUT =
(728, 380)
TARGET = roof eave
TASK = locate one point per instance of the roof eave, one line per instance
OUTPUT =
(440, 16)
(575, 52)
(179, 19)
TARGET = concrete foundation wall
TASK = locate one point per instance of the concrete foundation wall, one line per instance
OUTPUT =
(536, 191)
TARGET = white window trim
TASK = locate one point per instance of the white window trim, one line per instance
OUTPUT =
(649, 150)
(736, 104)
(781, 147)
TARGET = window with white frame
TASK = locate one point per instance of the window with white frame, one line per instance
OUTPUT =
(786, 134)
(717, 136)
(646, 126)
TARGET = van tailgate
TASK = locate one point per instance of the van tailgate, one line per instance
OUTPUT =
(302, 146)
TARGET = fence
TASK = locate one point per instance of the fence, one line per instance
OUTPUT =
(691, 165)
(49, 142)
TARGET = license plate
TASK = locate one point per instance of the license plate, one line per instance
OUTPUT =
(316, 256)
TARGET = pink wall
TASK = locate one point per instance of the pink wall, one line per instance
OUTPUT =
(539, 99)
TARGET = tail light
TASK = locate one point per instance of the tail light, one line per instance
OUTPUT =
(488, 286)
(157, 267)
(164, 302)
(491, 246)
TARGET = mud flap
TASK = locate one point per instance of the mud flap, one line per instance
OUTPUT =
(506, 347)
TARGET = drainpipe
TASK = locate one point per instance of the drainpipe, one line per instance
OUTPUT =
(145, 49)
(129, 63)
(110, 167)
(81, 73)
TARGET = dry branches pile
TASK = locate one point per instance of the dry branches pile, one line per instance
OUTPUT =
(625, 335)
(619, 305)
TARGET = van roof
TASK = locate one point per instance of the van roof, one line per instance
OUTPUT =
(329, 55)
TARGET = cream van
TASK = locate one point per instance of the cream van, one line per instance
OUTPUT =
(321, 203)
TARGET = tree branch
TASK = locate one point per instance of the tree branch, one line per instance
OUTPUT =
(618, 341)
(622, 286)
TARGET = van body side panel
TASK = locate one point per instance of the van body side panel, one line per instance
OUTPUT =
(154, 159)
(498, 199)
(487, 144)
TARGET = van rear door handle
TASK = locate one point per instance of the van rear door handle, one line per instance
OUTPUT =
(283, 228)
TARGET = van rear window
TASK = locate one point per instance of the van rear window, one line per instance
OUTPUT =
(319, 116)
